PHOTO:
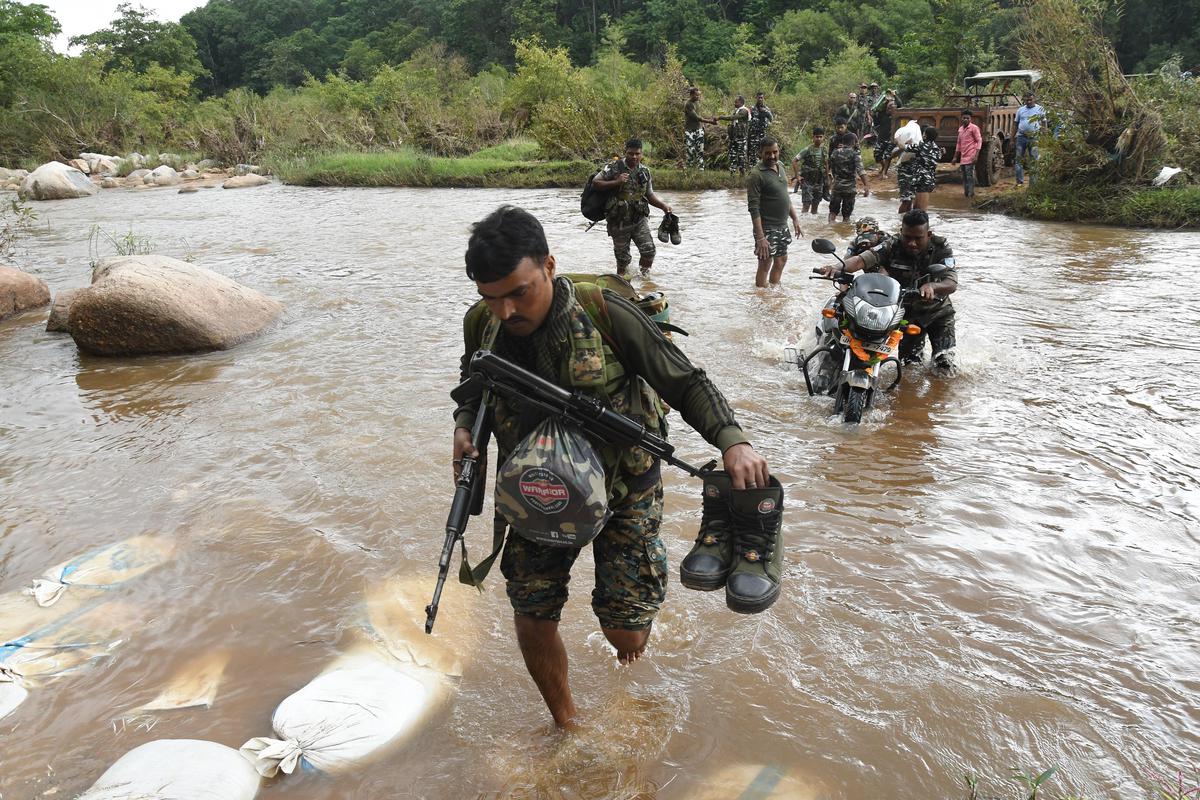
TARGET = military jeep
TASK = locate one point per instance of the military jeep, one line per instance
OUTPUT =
(993, 97)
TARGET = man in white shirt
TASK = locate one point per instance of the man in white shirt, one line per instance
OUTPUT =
(1029, 125)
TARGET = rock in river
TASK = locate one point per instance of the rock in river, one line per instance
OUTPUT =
(244, 181)
(158, 304)
(20, 291)
(60, 311)
(164, 176)
(55, 181)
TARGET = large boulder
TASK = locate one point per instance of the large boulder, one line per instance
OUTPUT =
(61, 310)
(164, 176)
(137, 177)
(245, 181)
(55, 181)
(81, 165)
(158, 304)
(20, 291)
(9, 174)
(106, 166)
(207, 163)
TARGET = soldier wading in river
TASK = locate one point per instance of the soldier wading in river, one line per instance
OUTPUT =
(627, 209)
(907, 258)
(584, 339)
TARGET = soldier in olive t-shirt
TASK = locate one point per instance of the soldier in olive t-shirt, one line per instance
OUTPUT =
(770, 206)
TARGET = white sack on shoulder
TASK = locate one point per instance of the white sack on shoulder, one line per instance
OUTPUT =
(177, 769)
(365, 701)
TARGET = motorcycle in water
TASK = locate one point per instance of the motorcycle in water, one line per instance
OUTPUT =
(860, 331)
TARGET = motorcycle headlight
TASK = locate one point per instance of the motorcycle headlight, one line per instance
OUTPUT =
(875, 319)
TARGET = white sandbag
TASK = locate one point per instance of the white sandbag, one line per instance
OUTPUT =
(194, 685)
(12, 692)
(766, 782)
(364, 702)
(177, 769)
(395, 618)
(906, 135)
(104, 567)
(379, 694)
(62, 647)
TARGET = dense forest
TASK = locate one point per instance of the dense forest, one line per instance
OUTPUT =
(261, 43)
(239, 78)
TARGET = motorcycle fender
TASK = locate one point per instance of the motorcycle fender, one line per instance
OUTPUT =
(859, 379)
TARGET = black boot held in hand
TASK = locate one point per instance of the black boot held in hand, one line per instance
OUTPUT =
(707, 566)
(753, 585)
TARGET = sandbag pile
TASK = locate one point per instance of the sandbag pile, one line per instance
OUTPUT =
(61, 623)
(372, 698)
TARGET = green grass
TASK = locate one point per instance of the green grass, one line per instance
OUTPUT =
(1173, 208)
(495, 167)
(519, 149)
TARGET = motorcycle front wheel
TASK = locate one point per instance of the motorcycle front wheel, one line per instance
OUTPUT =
(855, 405)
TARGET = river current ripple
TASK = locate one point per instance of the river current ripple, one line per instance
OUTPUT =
(997, 570)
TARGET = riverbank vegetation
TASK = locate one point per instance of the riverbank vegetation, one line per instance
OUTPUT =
(514, 164)
(1107, 135)
(368, 93)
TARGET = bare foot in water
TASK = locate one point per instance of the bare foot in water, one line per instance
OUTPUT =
(627, 657)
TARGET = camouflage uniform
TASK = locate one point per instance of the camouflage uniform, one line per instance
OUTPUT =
(631, 568)
(739, 126)
(845, 163)
(935, 317)
(598, 343)
(626, 212)
(760, 120)
(812, 170)
(693, 135)
(919, 173)
(693, 142)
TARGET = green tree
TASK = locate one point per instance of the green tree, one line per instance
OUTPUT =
(25, 51)
(291, 60)
(801, 38)
(136, 40)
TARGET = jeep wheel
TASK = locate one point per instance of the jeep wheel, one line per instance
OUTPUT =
(989, 163)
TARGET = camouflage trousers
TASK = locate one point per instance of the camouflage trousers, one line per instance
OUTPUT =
(753, 140)
(883, 147)
(812, 192)
(623, 233)
(778, 240)
(842, 202)
(913, 178)
(937, 325)
(631, 568)
(737, 155)
(693, 142)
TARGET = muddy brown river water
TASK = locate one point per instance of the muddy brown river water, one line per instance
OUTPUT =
(993, 571)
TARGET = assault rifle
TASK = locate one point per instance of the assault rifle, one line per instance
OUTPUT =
(490, 371)
(467, 502)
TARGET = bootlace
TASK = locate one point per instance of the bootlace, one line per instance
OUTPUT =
(715, 514)
(757, 532)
